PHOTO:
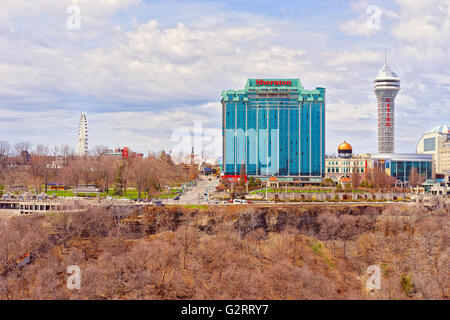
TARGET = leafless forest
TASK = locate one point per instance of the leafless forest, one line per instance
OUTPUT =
(229, 252)
(22, 166)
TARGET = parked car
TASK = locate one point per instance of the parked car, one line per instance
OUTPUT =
(158, 203)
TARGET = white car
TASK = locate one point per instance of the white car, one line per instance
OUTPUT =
(239, 201)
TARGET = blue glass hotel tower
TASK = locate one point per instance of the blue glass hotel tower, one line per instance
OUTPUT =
(274, 128)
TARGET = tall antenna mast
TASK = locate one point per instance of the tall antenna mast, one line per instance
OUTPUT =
(385, 56)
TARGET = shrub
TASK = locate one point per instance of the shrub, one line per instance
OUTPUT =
(384, 269)
(407, 284)
(316, 246)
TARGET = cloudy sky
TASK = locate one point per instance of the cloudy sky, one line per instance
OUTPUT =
(143, 69)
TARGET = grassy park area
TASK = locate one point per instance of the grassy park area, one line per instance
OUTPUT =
(130, 193)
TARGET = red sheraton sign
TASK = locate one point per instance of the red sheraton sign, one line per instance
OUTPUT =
(260, 82)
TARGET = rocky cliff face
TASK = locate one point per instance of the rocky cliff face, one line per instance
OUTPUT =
(322, 222)
(232, 252)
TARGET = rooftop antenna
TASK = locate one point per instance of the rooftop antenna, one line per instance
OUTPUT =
(385, 56)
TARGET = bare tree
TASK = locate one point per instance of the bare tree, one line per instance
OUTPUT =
(105, 169)
(38, 171)
(413, 177)
(71, 173)
(99, 150)
(379, 177)
(22, 146)
(22, 150)
(139, 172)
(188, 238)
(44, 160)
(5, 149)
(42, 150)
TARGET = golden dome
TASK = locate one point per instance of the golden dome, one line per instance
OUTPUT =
(345, 146)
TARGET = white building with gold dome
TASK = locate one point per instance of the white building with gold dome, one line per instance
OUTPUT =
(346, 163)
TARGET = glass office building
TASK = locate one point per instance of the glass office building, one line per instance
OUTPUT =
(274, 127)
(400, 165)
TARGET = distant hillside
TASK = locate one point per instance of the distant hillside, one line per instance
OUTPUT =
(230, 252)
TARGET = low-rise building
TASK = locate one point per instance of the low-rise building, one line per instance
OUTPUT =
(438, 186)
(346, 163)
(437, 143)
(444, 158)
(123, 153)
(57, 163)
(401, 165)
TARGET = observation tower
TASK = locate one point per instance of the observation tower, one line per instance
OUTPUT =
(386, 87)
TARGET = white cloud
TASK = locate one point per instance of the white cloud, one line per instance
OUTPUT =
(357, 56)
(98, 8)
(368, 21)
(141, 79)
(439, 78)
(372, 18)
(423, 21)
(358, 27)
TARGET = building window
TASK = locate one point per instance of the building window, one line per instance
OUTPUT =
(429, 144)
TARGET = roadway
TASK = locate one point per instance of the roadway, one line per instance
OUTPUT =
(200, 193)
